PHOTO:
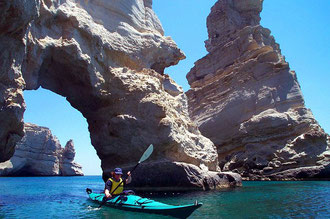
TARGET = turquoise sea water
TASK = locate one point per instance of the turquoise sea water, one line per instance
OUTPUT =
(65, 197)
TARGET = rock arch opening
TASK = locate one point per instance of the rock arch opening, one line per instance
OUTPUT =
(47, 109)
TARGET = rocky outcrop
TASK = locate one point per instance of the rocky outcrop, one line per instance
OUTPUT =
(107, 58)
(15, 18)
(39, 153)
(194, 178)
(245, 98)
(67, 165)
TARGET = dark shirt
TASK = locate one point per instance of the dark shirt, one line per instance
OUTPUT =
(108, 184)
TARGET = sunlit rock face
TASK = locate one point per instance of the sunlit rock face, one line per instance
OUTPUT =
(39, 153)
(15, 18)
(245, 98)
(107, 58)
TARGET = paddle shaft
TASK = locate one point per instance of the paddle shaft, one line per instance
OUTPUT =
(123, 180)
(105, 198)
(145, 156)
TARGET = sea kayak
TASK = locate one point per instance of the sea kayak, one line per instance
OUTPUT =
(136, 203)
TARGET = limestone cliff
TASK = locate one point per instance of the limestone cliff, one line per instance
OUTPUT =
(39, 153)
(245, 98)
(107, 58)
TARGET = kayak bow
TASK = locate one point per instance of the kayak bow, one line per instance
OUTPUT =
(139, 204)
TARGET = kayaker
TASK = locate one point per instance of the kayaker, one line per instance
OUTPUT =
(116, 181)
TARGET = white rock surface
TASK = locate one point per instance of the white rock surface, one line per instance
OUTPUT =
(39, 153)
(107, 58)
(245, 98)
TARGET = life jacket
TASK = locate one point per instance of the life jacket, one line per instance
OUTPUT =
(114, 186)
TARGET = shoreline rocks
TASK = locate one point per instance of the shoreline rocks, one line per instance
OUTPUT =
(245, 98)
(166, 176)
(39, 153)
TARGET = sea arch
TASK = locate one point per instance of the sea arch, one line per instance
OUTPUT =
(114, 78)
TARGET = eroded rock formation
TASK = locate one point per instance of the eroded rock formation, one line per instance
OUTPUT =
(107, 58)
(245, 98)
(39, 153)
(15, 18)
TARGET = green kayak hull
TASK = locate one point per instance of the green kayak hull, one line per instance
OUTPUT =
(138, 204)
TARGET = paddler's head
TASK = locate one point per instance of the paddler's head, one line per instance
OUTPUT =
(117, 173)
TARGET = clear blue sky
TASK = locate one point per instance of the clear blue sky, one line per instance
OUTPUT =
(301, 27)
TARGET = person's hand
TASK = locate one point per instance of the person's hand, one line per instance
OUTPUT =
(107, 194)
(129, 177)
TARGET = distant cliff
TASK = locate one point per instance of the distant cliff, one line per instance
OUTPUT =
(39, 153)
(245, 98)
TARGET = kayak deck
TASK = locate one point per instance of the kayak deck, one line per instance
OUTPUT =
(139, 204)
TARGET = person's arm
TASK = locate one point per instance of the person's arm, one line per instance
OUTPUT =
(129, 178)
(107, 189)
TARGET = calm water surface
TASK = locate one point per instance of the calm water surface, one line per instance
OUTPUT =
(65, 197)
